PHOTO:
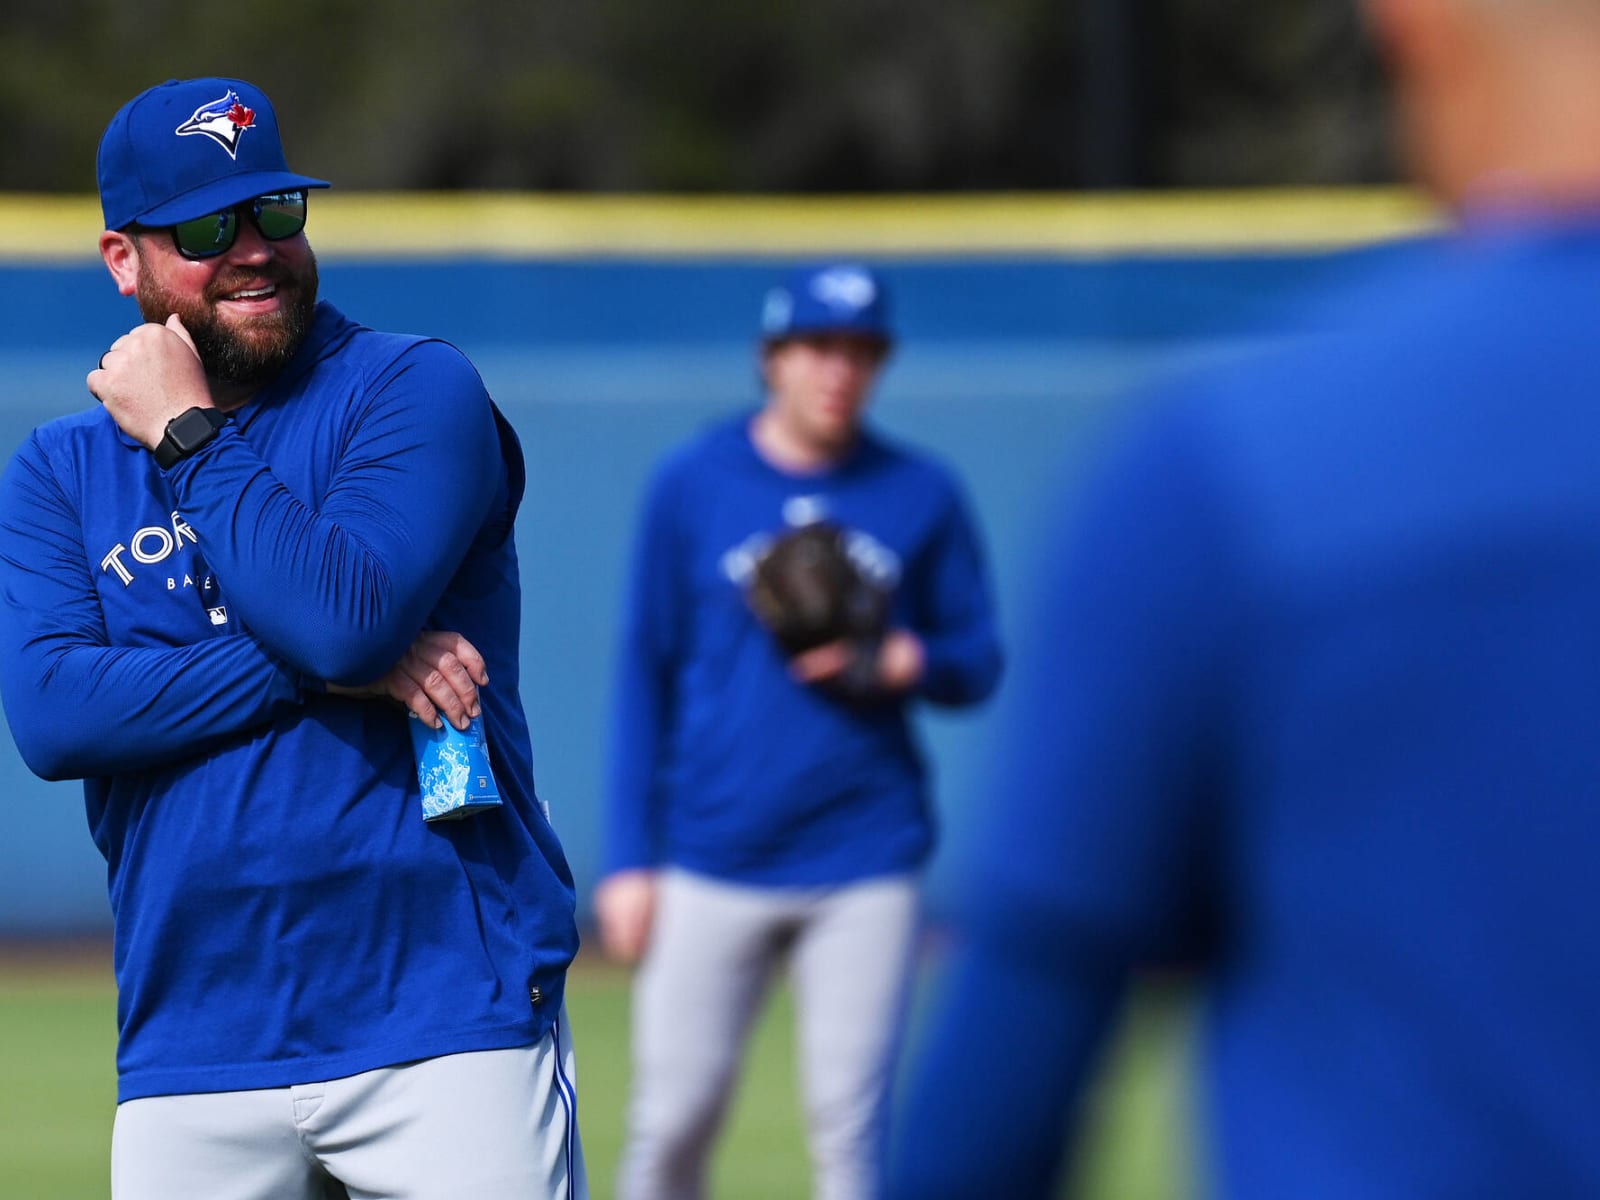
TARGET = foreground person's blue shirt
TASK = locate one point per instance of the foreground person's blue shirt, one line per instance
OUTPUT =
(282, 913)
(1313, 699)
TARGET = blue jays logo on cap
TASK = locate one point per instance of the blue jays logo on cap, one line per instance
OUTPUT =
(158, 162)
(844, 287)
(838, 298)
(224, 121)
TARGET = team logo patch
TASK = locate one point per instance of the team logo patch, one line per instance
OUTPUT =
(223, 121)
(805, 510)
(844, 287)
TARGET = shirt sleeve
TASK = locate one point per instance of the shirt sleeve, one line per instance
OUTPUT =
(340, 590)
(643, 689)
(1095, 855)
(78, 706)
(955, 620)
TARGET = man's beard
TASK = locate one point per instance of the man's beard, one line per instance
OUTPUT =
(248, 351)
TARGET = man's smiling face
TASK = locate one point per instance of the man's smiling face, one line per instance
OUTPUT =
(247, 309)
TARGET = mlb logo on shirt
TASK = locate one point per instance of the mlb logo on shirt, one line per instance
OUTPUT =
(218, 615)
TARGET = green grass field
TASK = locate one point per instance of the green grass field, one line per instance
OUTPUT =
(57, 1041)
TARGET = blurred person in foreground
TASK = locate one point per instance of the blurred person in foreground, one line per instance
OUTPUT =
(768, 802)
(1314, 699)
(274, 519)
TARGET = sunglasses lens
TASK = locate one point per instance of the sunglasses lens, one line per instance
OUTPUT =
(278, 215)
(281, 215)
(206, 236)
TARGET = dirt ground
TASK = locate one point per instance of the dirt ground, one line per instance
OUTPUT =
(54, 958)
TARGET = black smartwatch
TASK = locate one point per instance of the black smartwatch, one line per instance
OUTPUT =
(186, 433)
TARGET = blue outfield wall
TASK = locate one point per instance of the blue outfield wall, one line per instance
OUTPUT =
(1008, 367)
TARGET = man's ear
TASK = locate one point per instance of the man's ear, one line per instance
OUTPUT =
(121, 255)
(764, 362)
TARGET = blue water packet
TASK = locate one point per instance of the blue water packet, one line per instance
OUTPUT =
(453, 770)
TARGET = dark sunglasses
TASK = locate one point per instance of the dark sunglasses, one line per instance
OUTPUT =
(276, 216)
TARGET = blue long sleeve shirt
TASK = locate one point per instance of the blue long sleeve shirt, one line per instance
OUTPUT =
(1313, 699)
(282, 913)
(720, 761)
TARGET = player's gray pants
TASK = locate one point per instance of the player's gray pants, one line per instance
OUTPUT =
(712, 951)
(490, 1125)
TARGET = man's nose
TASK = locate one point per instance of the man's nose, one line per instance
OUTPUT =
(249, 245)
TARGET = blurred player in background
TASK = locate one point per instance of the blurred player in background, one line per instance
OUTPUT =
(1313, 696)
(202, 576)
(765, 807)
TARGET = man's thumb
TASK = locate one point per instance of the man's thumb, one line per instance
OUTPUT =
(175, 323)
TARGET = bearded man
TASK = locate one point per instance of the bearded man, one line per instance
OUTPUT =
(275, 519)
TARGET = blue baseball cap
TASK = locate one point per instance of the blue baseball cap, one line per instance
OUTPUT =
(188, 147)
(838, 298)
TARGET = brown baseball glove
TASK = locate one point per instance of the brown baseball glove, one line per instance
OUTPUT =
(808, 591)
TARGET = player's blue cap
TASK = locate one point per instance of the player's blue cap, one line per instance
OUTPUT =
(839, 298)
(189, 147)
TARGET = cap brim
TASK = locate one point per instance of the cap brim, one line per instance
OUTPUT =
(225, 193)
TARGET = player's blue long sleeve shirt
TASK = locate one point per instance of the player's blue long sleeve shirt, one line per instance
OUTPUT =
(282, 912)
(721, 762)
(1312, 695)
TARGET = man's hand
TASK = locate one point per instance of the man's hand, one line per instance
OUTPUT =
(900, 664)
(150, 375)
(625, 906)
(438, 677)
(901, 661)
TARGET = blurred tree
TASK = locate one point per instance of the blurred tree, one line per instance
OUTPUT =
(1263, 91)
(723, 95)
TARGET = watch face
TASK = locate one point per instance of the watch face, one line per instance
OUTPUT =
(186, 433)
(191, 430)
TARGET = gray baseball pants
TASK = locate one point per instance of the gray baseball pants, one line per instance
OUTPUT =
(490, 1125)
(712, 952)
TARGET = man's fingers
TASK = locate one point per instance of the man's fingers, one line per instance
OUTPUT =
(624, 934)
(441, 644)
(446, 683)
(426, 712)
(625, 905)
(626, 941)
(101, 366)
(467, 654)
(445, 690)
(437, 679)
(452, 670)
(823, 662)
(175, 323)
(455, 676)
(397, 685)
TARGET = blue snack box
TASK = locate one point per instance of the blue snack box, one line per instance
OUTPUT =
(453, 770)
